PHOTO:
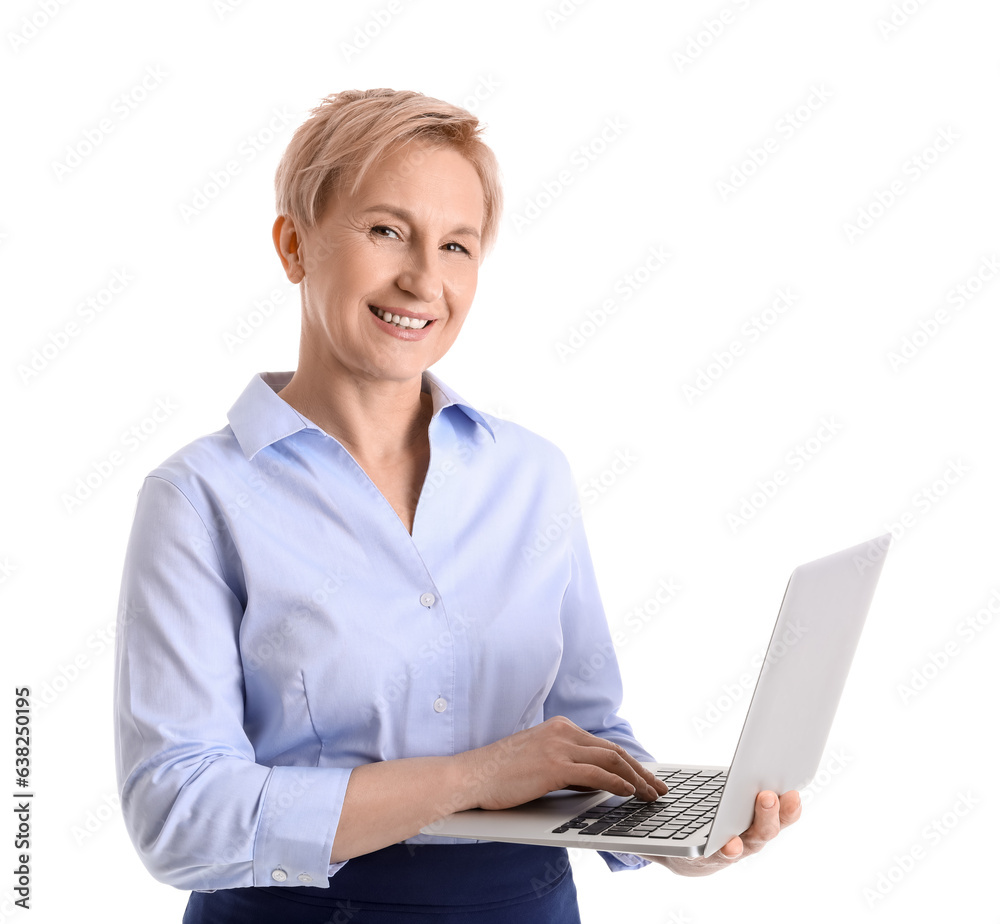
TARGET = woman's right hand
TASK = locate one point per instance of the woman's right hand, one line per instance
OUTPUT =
(557, 754)
(388, 801)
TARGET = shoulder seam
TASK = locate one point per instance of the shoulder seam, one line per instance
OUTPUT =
(197, 513)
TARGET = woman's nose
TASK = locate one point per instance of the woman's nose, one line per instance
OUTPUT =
(421, 276)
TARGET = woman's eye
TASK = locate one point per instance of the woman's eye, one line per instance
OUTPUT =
(378, 229)
(461, 249)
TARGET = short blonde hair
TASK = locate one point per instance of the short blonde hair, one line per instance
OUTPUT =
(350, 131)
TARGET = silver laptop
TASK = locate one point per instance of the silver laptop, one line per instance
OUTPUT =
(780, 747)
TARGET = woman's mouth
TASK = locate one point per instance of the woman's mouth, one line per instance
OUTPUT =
(399, 320)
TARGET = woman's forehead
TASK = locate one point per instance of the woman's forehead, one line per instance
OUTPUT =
(438, 181)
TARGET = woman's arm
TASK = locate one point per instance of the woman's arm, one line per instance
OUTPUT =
(201, 812)
(391, 801)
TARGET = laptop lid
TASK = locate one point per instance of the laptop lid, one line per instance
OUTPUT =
(801, 680)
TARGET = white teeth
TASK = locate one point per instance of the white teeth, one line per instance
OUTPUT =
(403, 321)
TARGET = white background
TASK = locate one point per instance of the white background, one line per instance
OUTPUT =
(871, 101)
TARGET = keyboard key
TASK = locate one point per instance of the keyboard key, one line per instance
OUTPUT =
(690, 803)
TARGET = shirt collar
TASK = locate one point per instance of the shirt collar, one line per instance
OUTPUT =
(261, 417)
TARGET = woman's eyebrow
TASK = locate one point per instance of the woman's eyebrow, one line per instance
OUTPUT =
(408, 217)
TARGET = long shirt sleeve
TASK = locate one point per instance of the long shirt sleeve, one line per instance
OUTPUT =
(201, 811)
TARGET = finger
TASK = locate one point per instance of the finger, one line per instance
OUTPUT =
(647, 776)
(661, 787)
(789, 807)
(588, 777)
(766, 824)
(732, 849)
(616, 759)
(650, 778)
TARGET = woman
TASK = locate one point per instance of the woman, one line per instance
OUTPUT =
(335, 626)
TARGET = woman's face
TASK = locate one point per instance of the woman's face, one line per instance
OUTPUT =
(407, 243)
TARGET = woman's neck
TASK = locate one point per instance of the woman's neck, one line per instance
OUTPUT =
(376, 421)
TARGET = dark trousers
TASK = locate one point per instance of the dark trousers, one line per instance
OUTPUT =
(449, 883)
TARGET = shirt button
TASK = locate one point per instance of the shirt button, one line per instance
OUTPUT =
(305, 877)
(279, 875)
(440, 704)
(427, 599)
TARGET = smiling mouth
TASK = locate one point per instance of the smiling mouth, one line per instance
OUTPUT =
(399, 320)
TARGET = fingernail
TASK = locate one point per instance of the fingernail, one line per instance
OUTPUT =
(768, 801)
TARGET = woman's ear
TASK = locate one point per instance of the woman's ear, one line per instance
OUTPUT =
(286, 243)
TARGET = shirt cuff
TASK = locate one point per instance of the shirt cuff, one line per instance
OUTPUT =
(298, 822)
(619, 861)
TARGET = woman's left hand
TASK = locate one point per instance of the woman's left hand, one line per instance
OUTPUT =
(771, 814)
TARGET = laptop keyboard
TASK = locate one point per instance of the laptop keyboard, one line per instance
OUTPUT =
(689, 804)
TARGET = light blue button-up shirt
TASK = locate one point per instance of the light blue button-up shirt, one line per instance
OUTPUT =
(278, 626)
